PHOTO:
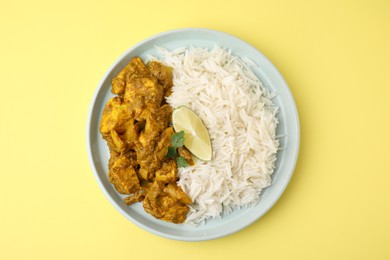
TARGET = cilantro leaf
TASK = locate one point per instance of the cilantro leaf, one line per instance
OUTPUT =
(172, 153)
(177, 139)
(181, 162)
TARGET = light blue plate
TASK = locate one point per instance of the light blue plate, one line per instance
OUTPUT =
(288, 127)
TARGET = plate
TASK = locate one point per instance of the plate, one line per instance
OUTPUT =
(288, 128)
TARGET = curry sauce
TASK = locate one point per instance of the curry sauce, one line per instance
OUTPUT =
(136, 125)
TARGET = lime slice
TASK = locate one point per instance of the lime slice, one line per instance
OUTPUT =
(196, 137)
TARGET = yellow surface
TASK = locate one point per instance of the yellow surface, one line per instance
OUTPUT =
(335, 56)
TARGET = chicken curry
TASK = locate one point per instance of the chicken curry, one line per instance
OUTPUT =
(136, 125)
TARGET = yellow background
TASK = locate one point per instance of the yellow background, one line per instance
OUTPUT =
(335, 56)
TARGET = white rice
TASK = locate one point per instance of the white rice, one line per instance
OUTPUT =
(241, 120)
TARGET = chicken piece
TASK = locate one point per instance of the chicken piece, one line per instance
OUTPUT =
(119, 144)
(123, 176)
(177, 193)
(162, 206)
(150, 135)
(129, 154)
(143, 93)
(183, 152)
(156, 121)
(162, 145)
(130, 132)
(132, 157)
(114, 156)
(147, 161)
(152, 145)
(124, 136)
(168, 173)
(135, 68)
(151, 150)
(163, 74)
(115, 113)
(164, 116)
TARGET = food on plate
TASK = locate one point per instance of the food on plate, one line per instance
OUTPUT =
(222, 114)
(241, 119)
(136, 125)
(196, 136)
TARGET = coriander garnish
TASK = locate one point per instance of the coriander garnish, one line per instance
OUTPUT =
(177, 140)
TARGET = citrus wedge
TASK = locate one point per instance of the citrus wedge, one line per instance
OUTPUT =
(196, 136)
